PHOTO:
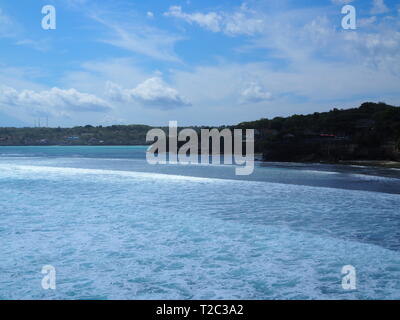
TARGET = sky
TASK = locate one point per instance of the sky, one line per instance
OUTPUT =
(198, 62)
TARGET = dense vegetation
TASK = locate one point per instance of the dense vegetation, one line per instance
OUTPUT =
(87, 135)
(371, 131)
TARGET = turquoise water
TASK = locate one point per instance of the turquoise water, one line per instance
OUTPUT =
(115, 227)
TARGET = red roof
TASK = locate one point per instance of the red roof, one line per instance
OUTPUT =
(327, 135)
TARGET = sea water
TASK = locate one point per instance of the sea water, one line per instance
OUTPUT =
(115, 227)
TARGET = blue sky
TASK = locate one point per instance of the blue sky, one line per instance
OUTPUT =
(204, 62)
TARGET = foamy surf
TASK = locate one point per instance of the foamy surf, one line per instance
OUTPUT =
(118, 234)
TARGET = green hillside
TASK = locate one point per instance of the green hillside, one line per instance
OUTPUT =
(371, 131)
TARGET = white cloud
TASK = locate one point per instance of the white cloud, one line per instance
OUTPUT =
(7, 26)
(153, 92)
(110, 120)
(40, 45)
(310, 64)
(10, 28)
(139, 38)
(379, 7)
(307, 42)
(367, 22)
(54, 101)
(319, 30)
(304, 88)
(240, 22)
(210, 21)
(129, 30)
(255, 93)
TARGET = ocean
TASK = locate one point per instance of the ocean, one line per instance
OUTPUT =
(115, 227)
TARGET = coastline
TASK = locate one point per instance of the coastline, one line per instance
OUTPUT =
(372, 163)
(389, 164)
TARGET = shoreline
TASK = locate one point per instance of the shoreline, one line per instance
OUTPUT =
(373, 163)
(389, 164)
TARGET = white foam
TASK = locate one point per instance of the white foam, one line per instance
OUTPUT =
(82, 171)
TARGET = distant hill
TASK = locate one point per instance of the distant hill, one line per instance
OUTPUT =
(370, 132)
(87, 135)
